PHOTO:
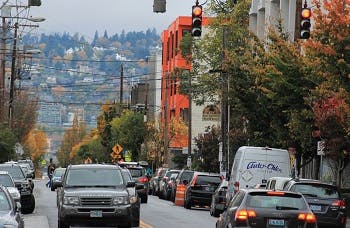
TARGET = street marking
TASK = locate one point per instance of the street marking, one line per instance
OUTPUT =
(144, 225)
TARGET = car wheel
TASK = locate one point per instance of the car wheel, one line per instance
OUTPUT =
(188, 204)
(144, 199)
(52, 189)
(215, 213)
(125, 226)
(61, 224)
(31, 206)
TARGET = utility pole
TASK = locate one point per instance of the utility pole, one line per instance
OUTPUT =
(13, 75)
(121, 89)
(190, 120)
(224, 106)
(166, 118)
(2, 70)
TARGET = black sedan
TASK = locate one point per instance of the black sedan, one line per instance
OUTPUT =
(10, 215)
(266, 208)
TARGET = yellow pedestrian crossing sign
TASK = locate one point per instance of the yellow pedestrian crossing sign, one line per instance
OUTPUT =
(117, 150)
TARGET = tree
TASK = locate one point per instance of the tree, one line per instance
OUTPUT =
(36, 143)
(129, 129)
(7, 143)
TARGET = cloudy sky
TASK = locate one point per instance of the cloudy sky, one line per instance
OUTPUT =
(87, 16)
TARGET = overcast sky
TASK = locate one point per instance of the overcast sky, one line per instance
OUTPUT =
(87, 16)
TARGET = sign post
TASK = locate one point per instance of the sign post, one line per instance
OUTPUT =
(320, 151)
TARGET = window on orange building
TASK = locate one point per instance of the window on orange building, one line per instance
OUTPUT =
(184, 114)
(176, 39)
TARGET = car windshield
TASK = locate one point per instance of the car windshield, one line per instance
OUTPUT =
(14, 171)
(4, 203)
(6, 181)
(278, 201)
(126, 175)
(136, 172)
(58, 172)
(317, 190)
(94, 177)
(208, 180)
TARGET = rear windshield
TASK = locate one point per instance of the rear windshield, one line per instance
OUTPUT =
(282, 202)
(59, 172)
(14, 171)
(6, 181)
(136, 172)
(317, 190)
(186, 175)
(208, 180)
(94, 177)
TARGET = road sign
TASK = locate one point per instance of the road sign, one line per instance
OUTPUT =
(116, 151)
(320, 147)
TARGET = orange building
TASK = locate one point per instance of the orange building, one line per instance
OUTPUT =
(174, 104)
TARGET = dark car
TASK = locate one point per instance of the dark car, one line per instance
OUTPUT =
(184, 176)
(218, 200)
(201, 188)
(7, 181)
(23, 185)
(165, 182)
(96, 194)
(138, 174)
(261, 208)
(154, 182)
(31, 165)
(324, 200)
(56, 177)
(10, 215)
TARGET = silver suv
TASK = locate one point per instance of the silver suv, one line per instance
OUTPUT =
(96, 194)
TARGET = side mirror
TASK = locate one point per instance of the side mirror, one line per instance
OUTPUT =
(18, 207)
(130, 184)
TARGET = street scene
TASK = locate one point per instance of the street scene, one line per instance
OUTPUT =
(175, 113)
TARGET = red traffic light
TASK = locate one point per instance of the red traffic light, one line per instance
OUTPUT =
(196, 11)
(306, 13)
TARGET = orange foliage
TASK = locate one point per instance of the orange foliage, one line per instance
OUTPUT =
(36, 141)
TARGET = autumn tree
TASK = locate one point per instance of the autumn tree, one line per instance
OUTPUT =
(36, 144)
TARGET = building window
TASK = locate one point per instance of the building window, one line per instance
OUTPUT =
(184, 114)
(167, 50)
(176, 39)
(175, 86)
(172, 113)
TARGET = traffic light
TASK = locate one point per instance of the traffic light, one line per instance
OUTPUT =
(34, 2)
(305, 23)
(196, 20)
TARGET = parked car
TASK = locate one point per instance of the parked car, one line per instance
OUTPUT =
(324, 200)
(138, 174)
(154, 182)
(30, 163)
(185, 176)
(56, 177)
(7, 181)
(265, 208)
(23, 184)
(200, 189)
(218, 200)
(10, 215)
(96, 194)
(164, 188)
(27, 169)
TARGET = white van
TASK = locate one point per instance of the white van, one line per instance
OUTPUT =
(255, 165)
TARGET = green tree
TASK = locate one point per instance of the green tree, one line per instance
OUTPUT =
(7, 143)
(130, 130)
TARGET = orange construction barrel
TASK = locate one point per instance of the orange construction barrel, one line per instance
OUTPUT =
(180, 195)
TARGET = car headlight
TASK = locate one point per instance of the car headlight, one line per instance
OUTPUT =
(120, 200)
(10, 225)
(71, 200)
(133, 199)
(25, 186)
(15, 195)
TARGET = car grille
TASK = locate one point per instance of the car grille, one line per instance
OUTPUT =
(96, 201)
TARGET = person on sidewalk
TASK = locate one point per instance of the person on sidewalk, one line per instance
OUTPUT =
(50, 169)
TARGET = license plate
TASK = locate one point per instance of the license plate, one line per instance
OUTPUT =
(276, 222)
(315, 207)
(95, 214)
(211, 189)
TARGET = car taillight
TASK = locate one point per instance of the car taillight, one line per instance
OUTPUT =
(242, 215)
(274, 193)
(308, 217)
(236, 186)
(339, 203)
(143, 179)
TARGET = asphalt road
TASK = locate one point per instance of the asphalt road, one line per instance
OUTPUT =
(156, 213)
